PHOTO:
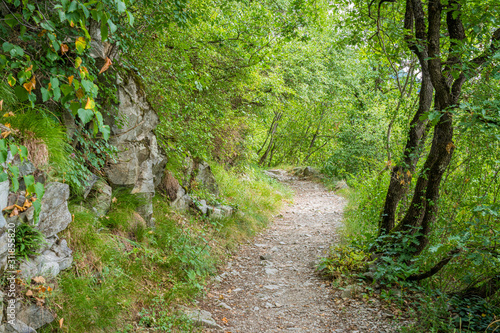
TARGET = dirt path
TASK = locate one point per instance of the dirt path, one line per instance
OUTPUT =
(272, 286)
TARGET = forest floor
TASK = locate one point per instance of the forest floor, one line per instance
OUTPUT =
(271, 284)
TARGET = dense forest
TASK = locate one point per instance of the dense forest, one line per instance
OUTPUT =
(399, 98)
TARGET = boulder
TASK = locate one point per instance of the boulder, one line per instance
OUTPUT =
(100, 196)
(205, 179)
(202, 207)
(310, 172)
(54, 214)
(200, 317)
(4, 195)
(183, 201)
(19, 327)
(35, 316)
(91, 180)
(341, 185)
(49, 263)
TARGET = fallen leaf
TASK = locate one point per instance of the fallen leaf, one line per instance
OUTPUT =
(61, 321)
(21, 209)
(7, 125)
(224, 320)
(106, 65)
(1, 105)
(27, 204)
(8, 114)
(29, 293)
(114, 200)
(15, 212)
(39, 279)
(42, 289)
(64, 48)
(5, 134)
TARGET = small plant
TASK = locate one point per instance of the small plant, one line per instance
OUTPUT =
(28, 241)
(342, 260)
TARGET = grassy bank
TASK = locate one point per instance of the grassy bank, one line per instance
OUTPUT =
(127, 277)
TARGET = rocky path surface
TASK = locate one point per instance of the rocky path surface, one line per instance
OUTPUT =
(272, 286)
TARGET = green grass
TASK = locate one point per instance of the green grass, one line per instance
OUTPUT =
(127, 277)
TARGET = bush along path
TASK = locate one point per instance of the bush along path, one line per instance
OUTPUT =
(272, 284)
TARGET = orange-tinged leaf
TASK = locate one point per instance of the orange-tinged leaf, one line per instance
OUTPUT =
(49, 289)
(1, 105)
(39, 279)
(41, 33)
(70, 79)
(106, 65)
(224, 320)
(11, 81)
(72, 24)
(27, 204)
(8, 207)
(79, 93)
(61, 321)
(90, 104)
(29, 68)
(50, 86)
(7, 125)
(29, 293)
(9, 114)
(64, 48)
(21, 209)
(30, 85)
(42, 289)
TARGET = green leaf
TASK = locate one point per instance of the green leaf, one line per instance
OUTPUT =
(45, 94)
(29, 180)
(112, 26)
(23, 152)
(85, 115)
(130, 18)
(66, 89)
(120, 6)
(40, 191)
(73, 6)
(21, 93)
(3, 177)
(105, 130)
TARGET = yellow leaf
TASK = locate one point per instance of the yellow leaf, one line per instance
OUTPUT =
(29, 68)
(49, 289)
(80, 44)
(70, 79)
(78, 62)
(61, 321)
(72, 24)
(8, 114)
(7, 125)
(5, 134)
(50, 86)
(90, 104)
(106, 65)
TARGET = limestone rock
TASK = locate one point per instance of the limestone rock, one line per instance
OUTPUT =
(202, 207)
(54, 214)
(341, 185)
(35, 316)
(200, 317)
(100, 197)
(49, 263)
(183, 201)
(205, 178)
(309, 171)
(4, 194)
(19, 327)
(91, 180)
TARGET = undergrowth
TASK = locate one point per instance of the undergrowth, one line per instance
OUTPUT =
(127, 277)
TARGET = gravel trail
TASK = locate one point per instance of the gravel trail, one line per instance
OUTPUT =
(271, 285)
